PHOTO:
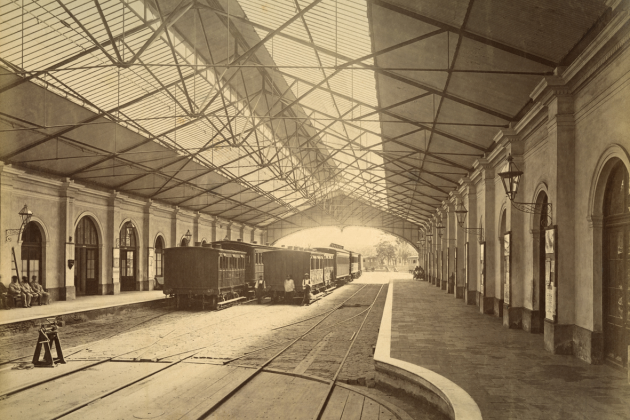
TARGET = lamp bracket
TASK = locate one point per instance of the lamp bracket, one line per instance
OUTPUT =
(11, 232)
(535, 208)
(478, 232)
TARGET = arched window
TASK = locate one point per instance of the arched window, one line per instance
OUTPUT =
(616, 285)
(128, 254)
(86, 265)
(159, 257)
(32, 252)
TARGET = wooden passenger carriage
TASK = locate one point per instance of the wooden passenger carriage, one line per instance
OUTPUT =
(280, 263)
(340, 264)
(210, 275)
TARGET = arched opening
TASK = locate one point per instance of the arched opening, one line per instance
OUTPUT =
(184, 242)
(503, 263)
(128, 255)
(86, 261)
(31, 252)
(616, 266)
(159, 259)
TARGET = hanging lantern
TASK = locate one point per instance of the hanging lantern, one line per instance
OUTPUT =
(460, 213)
(511, 178)
(188, 236)
(26, 215)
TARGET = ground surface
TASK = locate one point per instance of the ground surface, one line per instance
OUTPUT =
(507, 372)
(180, 352)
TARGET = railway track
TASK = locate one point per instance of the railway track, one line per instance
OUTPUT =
(296, 352)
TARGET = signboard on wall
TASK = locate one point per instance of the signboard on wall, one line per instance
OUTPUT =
(447, 273)
(506, 268)
(482, 268)
(551, 275)
(466, 275)
(455, 266)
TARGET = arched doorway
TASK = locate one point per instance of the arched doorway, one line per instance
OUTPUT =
(128, 257)
(616, 270)
(159, 260)
(31, 252)
(86, 261)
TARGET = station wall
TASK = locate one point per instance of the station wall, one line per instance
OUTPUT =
(58, 205)
(577, 128)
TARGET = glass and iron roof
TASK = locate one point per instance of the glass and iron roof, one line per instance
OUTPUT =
(256, 110)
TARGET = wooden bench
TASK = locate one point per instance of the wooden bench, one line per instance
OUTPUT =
(18, 299)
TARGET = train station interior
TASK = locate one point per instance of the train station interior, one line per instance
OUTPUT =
(493, 136)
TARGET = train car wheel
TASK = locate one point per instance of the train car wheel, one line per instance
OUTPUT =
(213, 302)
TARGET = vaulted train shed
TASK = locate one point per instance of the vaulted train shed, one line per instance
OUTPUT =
(129, 126)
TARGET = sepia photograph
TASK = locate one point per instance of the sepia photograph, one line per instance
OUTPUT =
(315, 209)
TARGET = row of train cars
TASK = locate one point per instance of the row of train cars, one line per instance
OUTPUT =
(224, 272)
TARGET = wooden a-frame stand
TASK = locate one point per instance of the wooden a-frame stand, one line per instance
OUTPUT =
(48, 339)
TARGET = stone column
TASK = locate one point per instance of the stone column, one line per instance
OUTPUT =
(148, 236)
(485, 195)
(113, 222)
(175, 233)
(460, 241)
(515, 223)
(7, 221)
(443, 251)
(451, 244)
(472, 238)
(555, 95)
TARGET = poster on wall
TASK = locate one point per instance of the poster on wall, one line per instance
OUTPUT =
(506, 268)
(482, 268)
(466, 275)
(551, 277)
(447, 273)
(455, 267)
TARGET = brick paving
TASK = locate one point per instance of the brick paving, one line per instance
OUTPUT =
(507, 372)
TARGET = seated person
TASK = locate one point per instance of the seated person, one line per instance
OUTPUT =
(16, 291)
(44, 296)
(26, 290)
(4, 295)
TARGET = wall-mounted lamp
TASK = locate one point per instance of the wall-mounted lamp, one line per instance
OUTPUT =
(511, 179)
(460, 214)
(25, 215)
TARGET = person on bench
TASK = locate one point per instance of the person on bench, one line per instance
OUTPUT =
(44, 296)
(26, 289)
(15, 291)
(4, 295)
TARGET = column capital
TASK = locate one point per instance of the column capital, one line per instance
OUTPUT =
(555, 94)
(484, 167)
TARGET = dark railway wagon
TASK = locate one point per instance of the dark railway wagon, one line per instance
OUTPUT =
(206, 274)
(341, 264)
(254, 266)
(280, 263)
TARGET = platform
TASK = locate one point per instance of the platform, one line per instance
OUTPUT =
(77, 306)
(507, 372)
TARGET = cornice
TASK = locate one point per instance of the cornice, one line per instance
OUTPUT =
(584, 60)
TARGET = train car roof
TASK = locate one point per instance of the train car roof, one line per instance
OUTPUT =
(207, 248)
(247, 245)
(308, 251)
(332, 250)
